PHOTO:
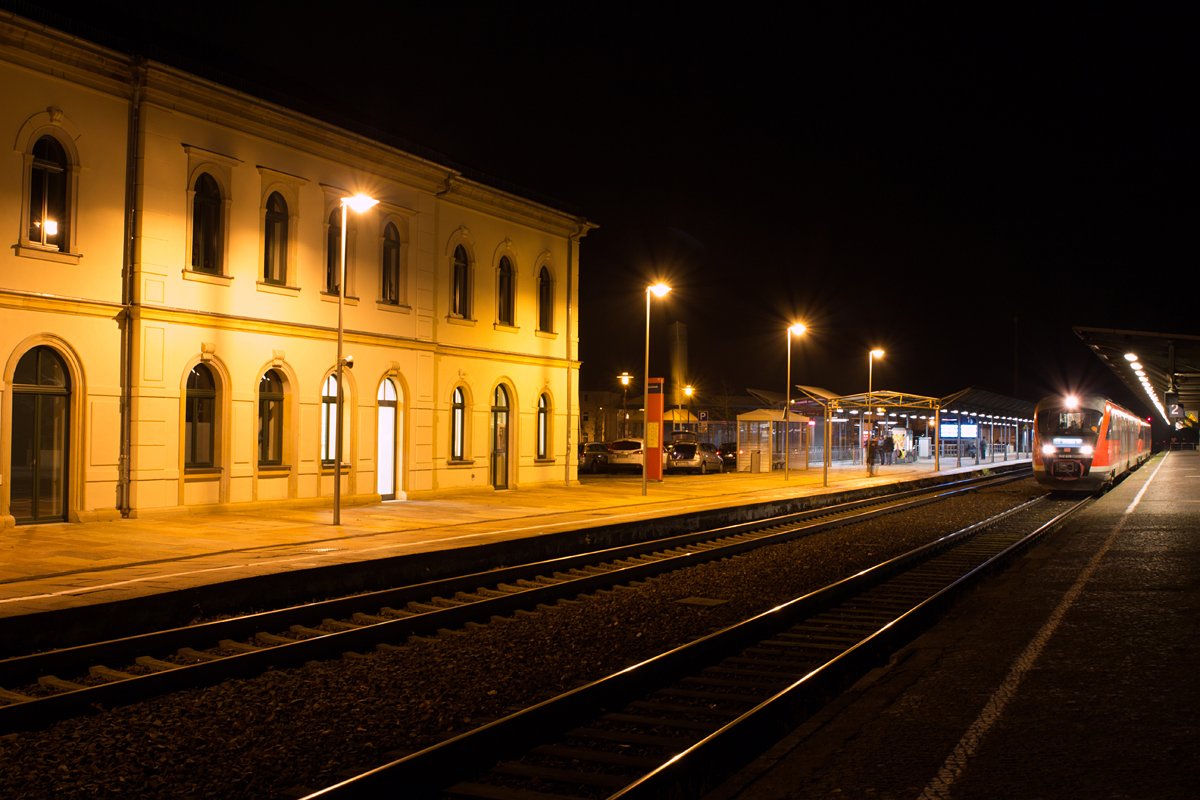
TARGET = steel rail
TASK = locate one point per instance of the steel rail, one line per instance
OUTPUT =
(657, 558)
(430, 772)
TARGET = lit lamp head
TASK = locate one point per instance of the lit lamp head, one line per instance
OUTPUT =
(688, 390)
(659, 289)
(797, 329)
(625, 378)
(359, 202)
(876, 354)
(1071, 401)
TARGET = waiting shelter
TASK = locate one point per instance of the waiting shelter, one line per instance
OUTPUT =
(767, 442)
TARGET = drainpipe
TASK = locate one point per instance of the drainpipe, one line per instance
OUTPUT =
(137, 65)
(571, 241)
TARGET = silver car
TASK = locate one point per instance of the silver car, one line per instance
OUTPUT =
(628, 453)
(699, 457)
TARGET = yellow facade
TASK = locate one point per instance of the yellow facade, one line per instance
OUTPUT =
(213, 189)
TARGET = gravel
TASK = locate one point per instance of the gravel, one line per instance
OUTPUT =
(300, 727)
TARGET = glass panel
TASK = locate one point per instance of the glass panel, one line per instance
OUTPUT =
(37, 203)
(270, 431)
(200, 379)
(52, 456)
(189, 432)
(333, 261)
(56, 208)
(23, 455)
(387, 391)
(50, 368)
(204, 430)
(328, 429)
(501, 397)
(386, 483)
(206, 225)
(26, 372)
(270, 383)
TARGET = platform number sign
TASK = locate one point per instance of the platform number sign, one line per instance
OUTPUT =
(1174, 407)
(702, 416)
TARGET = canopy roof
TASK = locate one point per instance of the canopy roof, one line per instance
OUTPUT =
(770, 415)
(1170, 361)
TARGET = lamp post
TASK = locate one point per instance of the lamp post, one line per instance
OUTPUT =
(874, 354)
(625, 378)
(687, 390)
(795, 330)
(658, 290)
(360, 203)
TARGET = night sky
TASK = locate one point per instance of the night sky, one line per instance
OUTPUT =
(957, 188)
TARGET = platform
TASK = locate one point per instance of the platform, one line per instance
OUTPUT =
(1071, 675)
(68, 565)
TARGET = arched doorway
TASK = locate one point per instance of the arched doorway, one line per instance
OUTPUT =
(40, 437)
(387, 474)
(500, 438)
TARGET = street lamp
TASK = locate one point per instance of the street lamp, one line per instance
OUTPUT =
(687, 390)
(658, 290)
(795, 330)
(625, 379)
(874, 354)
(360, 203)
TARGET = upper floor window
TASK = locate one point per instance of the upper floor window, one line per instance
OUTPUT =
(206, 226)
(504, 293)
(390, 266)
(545, 301)
(199, 417)
(270, 418)
(458, 433)
(48, 195)
(333, 252)
(275, 240)
(460, 296)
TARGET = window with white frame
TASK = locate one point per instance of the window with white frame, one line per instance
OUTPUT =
(275, 241)
(49, 203)
(458, 425)
(545, 301)
(504, 293)
(389, 279)
(270, 419)
(460, 291)
(329, 421)
(543, 427)
(206, 225)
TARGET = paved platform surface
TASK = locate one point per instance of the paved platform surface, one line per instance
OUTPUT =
(66, 565)
(1076, 674)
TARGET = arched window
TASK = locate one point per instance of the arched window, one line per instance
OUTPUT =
(329, 420)
(199, 418)
(385, 428)
(545, 301)
(270, 419)
(389, 280)
(543, 427)
(460, 297)
(504, 293)
(275, 241)
(48, 195)
(206, 226)
(41, 400)
(458, 421)
(333, 259)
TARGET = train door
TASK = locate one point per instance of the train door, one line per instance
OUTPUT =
(40, 437)
(500, 439)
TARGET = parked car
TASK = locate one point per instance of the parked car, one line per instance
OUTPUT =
(629, 453)
(593, 457)
(697, 456)
(728, 452)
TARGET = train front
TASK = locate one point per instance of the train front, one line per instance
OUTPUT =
(1066, 430)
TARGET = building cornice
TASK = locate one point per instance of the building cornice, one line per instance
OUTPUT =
(57, 304)
(43, 49)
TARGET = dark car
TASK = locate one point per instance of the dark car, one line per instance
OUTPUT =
(593, 457)
(728, 453)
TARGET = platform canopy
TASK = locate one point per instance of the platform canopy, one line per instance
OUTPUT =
(979, 402)
(1170, 363)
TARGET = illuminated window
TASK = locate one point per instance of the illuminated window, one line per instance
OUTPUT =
(504, 293)
(275, 241)
(329, 421)
(270, 419)
(545, 301)
(48, 204)
(199, 418)
(389, 280)
(460, 297)
(543, 427)
(458, 433)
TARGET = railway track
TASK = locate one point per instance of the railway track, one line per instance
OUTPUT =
(43, 688)
(679, 723)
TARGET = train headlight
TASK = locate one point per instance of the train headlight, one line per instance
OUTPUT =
(1086, 450)
(1048, 450)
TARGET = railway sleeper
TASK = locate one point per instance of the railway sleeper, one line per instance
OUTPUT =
(13, 697)
(368, 619)
(55, 682)
(311, 633)
(108, 675)
(397, 613)
(273, 639)
(661, 722)
(672, 708)
(714, 697)
(483, 791)
(238, 647)
(155, 664)
(338, 625)
(197, 655)
(595, 756)
(673, 744)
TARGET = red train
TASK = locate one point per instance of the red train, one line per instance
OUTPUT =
(1085, 443)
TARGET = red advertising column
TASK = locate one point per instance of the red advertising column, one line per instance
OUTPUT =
(654, 430)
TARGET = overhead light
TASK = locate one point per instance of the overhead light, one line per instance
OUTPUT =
(1136, 365)
(1130, 357)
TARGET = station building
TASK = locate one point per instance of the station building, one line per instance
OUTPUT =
(169, 302)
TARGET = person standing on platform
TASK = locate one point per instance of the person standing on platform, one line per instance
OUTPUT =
(870, 456)
(889, 445)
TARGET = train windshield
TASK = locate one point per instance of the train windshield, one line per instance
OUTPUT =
(1074, 422)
